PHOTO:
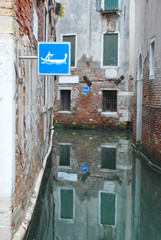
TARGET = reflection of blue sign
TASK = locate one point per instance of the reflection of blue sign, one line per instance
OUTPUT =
(84, 168)
(53, 58)
(86, 89)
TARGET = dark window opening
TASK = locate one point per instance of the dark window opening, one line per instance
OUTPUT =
(107, 208)
(65, 100)
(108, 158)
(66, 197)
(110, 100)
(71, 39)
(64, 155)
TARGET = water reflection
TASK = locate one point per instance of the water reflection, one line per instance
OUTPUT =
(90, 191)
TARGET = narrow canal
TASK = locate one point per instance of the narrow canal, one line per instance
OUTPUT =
(96, 188)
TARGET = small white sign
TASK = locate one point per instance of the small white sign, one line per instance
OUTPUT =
(68, 176)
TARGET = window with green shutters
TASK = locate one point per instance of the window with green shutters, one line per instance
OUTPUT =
(66, 203)
(111, 5)
(71, 39)
(107, 208)
(110, 49)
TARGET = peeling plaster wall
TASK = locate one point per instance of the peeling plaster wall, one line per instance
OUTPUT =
(7, 133)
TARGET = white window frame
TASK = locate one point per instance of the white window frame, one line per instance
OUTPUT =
(102, 50)
(72, 34)
(152, 59)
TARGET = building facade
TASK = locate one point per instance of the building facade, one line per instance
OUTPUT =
(26, 106)
(147, 104)
(99, 91)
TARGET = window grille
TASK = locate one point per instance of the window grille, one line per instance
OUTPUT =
(110, 100)
(108, 158)
(65, 100)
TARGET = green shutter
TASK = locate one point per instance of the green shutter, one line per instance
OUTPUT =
(111, 5)
(66, 204)
(110, 49)
(108, 208)
(71, 39)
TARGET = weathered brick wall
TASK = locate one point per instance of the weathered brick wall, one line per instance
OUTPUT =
(86, 108)
(32, 123)
(151, 115)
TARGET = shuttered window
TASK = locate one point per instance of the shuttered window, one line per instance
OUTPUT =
(110, 4)
(108, 158)
(64, 154)
(110, 49)
(71, 39)
(107, 208)
(66, 198)
(65, 100)
(109, 100)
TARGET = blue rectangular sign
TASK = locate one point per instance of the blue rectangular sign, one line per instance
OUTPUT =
(53, 58)
(84, 168)
(86, 89)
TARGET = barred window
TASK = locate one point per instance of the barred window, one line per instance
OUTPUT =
(110, 100)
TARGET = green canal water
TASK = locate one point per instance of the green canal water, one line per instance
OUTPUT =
(96, 188)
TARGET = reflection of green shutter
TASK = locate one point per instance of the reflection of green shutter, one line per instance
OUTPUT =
(66, 204)
(110, 47)
(111, 4)
(71, 39)
(107, 208)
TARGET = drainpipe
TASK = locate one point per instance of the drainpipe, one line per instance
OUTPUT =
(89, 29)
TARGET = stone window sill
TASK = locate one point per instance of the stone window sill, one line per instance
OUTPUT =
(66, 112)
(109, 114)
